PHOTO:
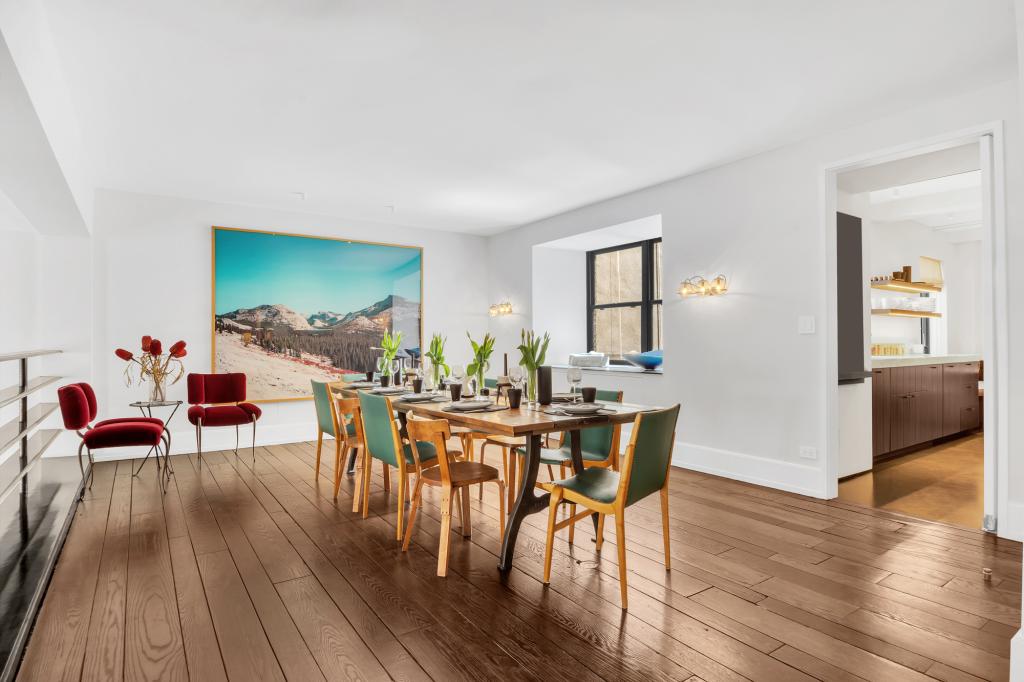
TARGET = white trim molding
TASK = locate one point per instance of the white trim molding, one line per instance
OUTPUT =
(772, 473)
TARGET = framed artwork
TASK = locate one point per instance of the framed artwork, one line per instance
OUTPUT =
(288, 308)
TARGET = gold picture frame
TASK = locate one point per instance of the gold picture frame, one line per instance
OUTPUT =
(215, 229)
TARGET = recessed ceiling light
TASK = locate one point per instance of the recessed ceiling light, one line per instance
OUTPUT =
(949, 216)
(300, 196)
(390, 208)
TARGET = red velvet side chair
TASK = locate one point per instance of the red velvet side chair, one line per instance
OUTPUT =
(78, 408)
(204, 389)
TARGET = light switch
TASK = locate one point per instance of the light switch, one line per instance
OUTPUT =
(805, 324)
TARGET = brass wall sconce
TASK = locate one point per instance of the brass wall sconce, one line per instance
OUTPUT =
(698, 286)
(499, 309)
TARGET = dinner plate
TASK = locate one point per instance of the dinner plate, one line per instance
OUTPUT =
(418, 397)
(475, 404)
(360, 384)
(389, 390)
(583, 408)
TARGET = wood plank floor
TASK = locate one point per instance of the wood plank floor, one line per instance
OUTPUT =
(945, 482)
(246, 572)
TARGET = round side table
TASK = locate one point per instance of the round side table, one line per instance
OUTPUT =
(146, 407)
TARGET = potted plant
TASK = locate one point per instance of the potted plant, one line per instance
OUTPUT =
(155, 366)
(481, 359)
(435, 354)
(533, 350)
(390, 344)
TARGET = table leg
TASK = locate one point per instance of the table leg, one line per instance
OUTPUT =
(528, 502)
(576, 452)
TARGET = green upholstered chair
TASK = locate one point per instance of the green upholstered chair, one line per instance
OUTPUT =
(644, 471)
(383, 442)
(329, 421)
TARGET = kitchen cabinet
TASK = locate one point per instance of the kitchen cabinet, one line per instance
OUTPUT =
(917, 404)
(880, 418)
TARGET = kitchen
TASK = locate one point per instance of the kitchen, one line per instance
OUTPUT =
(910, 268)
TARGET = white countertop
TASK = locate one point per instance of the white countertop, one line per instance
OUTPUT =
(882, 361)
(623, 369)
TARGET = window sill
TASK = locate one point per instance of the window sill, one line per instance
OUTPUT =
(617, 369)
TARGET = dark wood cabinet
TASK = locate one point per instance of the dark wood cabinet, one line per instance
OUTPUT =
(880, 417)
(922, 403)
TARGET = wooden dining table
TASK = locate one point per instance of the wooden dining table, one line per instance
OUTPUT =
(531, 422)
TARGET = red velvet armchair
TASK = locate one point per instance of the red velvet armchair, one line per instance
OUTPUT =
(206, 389)
(78, 408)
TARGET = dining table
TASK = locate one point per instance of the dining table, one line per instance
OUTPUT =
(531, 422)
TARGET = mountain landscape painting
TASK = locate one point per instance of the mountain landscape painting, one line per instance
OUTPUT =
(290, 308)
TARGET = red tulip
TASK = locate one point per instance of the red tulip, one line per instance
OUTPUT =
(146, 340)
(123, 354)
(176, 348)
(155, 347)
(180, 354)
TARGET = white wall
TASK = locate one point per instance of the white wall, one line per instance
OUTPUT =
(560, 301)
(153, 276)
(963, 298)
(752, 388)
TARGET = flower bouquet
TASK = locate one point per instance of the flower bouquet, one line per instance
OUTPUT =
(154, 365)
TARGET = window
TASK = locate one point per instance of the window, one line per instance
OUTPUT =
(624, 299)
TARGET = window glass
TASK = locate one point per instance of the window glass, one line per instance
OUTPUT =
(618, 276)
(656, 275)
(617, 330)
(656, 327)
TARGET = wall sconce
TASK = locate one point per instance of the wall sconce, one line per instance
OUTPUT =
(698, 286)
(499, 309)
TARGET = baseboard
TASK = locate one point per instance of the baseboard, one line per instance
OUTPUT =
(771, 473)
(183, 441)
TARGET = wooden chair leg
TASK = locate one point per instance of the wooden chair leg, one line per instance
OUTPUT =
(600, 532)
(357, 489)
(551, 473)
(319, 446)
(413, 508)
(387, 476)
(664, 527)
(467, 517)
(367, 466)
(572, 526)
(446, 531)
(620, 541)
(337, 458)
(510, 483)
(403, 481)
(556, 497)
(501, 510)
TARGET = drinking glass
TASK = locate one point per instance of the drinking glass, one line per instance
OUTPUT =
(575, 376)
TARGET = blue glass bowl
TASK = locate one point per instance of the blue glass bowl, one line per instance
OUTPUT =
(649, 361)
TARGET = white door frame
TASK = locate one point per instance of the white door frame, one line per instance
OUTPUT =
(994, 313)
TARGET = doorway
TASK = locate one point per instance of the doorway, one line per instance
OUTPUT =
(917, 430)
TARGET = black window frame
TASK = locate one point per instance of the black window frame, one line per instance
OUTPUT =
(646, 303)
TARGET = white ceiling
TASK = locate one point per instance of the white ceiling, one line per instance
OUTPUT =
(947, 204)
(478, 116)
(623, 233)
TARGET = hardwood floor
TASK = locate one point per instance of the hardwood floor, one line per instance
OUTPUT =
(246, 573)
(942, 483)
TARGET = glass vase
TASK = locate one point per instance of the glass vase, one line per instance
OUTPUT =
(435, 373)
(157, 389)
(531, 385)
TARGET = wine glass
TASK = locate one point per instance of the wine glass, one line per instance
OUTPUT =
(516, 375)
(575, 376)
(458, 373)
(396, 373)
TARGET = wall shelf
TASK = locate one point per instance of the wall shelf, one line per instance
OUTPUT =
(906, 287)
(896, 312)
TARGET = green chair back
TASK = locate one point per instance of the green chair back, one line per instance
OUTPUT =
(379, 430)
(490, 383)
(349, 378)
(597, 440)
(322, 401)
(653, 435)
